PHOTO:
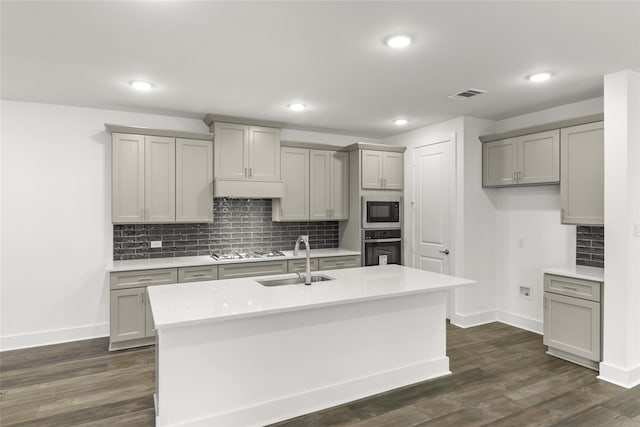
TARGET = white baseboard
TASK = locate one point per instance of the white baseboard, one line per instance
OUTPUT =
(314, 400)
(521, 322)
(627, 378)
(475, 319)
(55, 336)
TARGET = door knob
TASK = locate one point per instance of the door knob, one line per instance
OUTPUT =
(446, 252)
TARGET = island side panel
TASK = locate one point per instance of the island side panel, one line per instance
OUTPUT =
(262, 369)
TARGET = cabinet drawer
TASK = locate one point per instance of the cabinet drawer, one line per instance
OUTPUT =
(585, 289)
(197, 274)
(247, 269)
(334, 263)
(300, 265)
(137, 278)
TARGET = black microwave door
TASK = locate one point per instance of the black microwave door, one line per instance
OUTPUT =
(380, 212)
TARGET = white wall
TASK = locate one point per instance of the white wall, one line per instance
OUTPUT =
(56, 219)
(621, 323)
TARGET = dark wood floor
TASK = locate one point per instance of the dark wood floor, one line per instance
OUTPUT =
(501, 377)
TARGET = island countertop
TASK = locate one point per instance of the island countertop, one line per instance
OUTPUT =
(197, 302)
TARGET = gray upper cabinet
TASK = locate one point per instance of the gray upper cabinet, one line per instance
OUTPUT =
(582, 183)
(539, 158)
(194, 178)
(382, 170)
(127, 178)
(159, 179)
(528, 159)
(294, 206)
(499, 161)
(316, 185)
(245, 152)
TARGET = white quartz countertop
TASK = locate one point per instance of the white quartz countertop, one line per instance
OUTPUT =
(189, 303)
(190, 261)
(578, 272)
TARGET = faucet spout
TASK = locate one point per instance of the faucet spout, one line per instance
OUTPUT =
(296, 251)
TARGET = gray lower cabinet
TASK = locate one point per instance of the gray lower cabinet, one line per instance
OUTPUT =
(582, 174)
(131, 320)
(572, 319)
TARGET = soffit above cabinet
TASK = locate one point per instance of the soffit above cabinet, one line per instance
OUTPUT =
(171, 133)
(543, 128)
(210, 120)
(376, 147)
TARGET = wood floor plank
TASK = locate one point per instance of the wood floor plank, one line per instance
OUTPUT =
(501, 377)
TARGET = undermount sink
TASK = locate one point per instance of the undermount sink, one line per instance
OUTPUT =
(295, 280)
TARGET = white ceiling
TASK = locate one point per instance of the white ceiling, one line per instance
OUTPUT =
(251, 59)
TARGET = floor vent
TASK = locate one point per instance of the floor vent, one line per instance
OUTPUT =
(465, 94)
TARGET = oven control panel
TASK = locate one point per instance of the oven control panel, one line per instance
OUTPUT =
(382, 234)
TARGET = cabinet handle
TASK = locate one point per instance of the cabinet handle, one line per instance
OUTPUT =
(245, 172)
(385, 183)
(250, 173)
(340, 263)
(144, 279)
(514, 178)
(197, 275)
(519, 175)
(571, 288)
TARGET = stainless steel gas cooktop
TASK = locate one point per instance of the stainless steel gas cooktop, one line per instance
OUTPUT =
(246, 255)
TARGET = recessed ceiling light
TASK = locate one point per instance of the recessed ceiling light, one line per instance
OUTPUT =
(539, 77)
(400, 122)
(398, 41)
(140, 85)
(296, 106)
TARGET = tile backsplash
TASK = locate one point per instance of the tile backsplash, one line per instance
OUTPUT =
(590, 246)
(238, 224)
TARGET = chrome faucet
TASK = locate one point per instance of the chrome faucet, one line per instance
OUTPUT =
(296, 250)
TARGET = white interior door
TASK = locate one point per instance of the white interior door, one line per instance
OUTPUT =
(433, 173)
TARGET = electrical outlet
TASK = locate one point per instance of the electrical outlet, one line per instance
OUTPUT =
(636, 229)
(156, 243)
(525, 291)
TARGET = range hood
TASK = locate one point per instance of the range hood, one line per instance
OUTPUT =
(248, 189)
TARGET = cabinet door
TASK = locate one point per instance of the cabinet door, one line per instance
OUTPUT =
(231, 151)
(339, 185)
(294, 163)
(499, 163)
(159, 179)
(582, 174)
(127, 314)
(392, 170)
(319, 184)
(194, 180)
(371, 169)
(539, 158)
(127, 178)
(572, 325)
(264, 154)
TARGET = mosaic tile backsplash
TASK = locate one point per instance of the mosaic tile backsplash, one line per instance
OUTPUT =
(238, 225)
(590, 246)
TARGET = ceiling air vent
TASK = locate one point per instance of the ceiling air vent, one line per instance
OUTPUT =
(467, 93)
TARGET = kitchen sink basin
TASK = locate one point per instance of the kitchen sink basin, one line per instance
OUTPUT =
(295, 280)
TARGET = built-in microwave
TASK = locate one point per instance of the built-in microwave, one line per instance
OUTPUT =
(381, 212)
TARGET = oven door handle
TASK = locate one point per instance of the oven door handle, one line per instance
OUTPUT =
(382, 240)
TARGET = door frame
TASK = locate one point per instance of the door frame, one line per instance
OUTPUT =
(410, 208)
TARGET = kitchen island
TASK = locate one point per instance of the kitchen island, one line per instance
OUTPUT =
(237, 353)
